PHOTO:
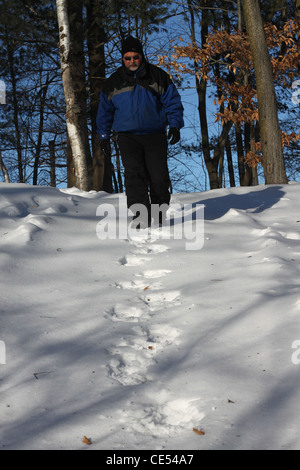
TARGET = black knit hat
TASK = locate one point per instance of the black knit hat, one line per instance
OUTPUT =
(132, 45)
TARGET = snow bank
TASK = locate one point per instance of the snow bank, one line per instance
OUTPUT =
(138, 343)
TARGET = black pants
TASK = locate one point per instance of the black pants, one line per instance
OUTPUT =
(144, 159)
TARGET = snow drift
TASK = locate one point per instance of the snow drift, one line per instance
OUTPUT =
(137, 343)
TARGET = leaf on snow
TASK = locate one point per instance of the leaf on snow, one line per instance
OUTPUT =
(199, 431)
(86, 441)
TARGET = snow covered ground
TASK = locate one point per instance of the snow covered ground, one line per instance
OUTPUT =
(137, 343)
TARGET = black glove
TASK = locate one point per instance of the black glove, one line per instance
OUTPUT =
(174, 135)
(105, 146)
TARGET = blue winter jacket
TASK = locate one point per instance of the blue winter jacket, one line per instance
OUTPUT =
(144, 103)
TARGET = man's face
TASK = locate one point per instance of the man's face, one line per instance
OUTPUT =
(132, 61)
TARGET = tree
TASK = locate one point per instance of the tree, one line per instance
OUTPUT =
(224, 59)
(96, 40)
(77, 136)
(3, 169)
(211, 14)
(273, 161)
(32, 115)
(297, 8)
(31, 68)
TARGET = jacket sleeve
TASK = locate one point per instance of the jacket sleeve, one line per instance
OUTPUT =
(171, 101)
(105, 116)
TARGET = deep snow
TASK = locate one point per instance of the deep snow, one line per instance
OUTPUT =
(137, 342)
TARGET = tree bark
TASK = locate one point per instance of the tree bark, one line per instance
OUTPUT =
(52, 163)
(78, 73)
(4, 169)
(15, 103)
(297, 11)
(95, 43)
(230, 163)
(73, 110)
(213, 164)
(43, 94)
(273, 161)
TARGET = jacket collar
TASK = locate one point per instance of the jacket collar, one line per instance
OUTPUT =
(138, 74)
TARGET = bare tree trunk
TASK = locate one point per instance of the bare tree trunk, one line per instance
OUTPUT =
(44, 91)
(78, 73)
(213, 164)
(118, 166)
(70, 165)
(240, 151)
(218, 158)
(230, 164)
(4, 169)
(15, 103)
(52, 163)
(201, 88)
(73, 111)
(253, 149)
(273, 161)
(240, 16)
(95, 42)
(297, 10)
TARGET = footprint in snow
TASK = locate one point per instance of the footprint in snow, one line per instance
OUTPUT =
(25, 232)
(154, 301)
(164, 416)
(16, 210)
(129, 368)
(272, 232)
(136, 257)
(39, 221)
(154, 339)
(163, 299)
(133, 260)
(155, 273)
(152, 249)
(28, 219)
(134, 355)
(137, 285)
(126, 313)
(56, 209)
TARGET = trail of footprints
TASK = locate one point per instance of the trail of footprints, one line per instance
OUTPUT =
(25, 219)
(134, 356)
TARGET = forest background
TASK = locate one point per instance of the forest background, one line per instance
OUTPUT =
(203, 44)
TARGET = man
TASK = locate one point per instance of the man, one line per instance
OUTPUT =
(138, 102)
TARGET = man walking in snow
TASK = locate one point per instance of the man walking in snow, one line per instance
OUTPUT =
(138, 102)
